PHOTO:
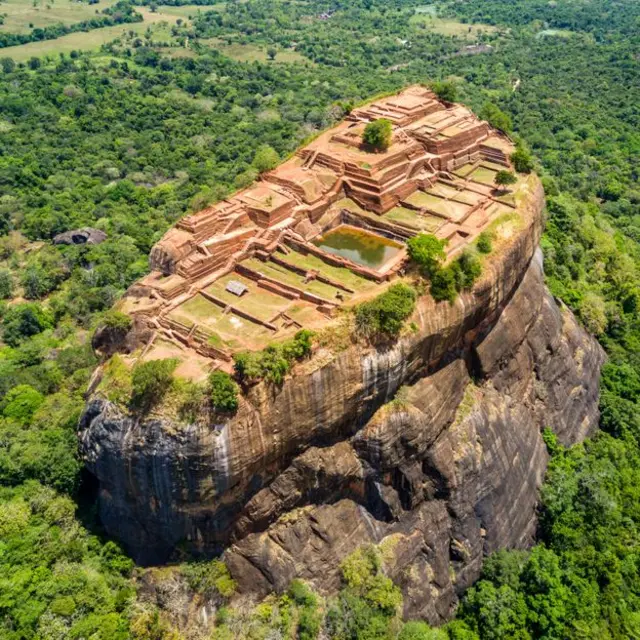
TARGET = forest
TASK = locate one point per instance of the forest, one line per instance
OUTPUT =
(129, 139)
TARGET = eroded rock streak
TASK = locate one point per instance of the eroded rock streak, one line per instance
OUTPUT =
(303, 474)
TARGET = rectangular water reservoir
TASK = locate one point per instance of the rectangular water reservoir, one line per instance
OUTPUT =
(359, 246)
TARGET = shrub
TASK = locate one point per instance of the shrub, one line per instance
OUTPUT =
(496, 117)
(378, 134)
(223, 392)
(362, 572)
(427, 252)
(117, 320)
(274, 364)
(24, 320)
(245, 178)
(485, 242)
(522, 160)
(417, 630)
(116, 382)
(444, 284)
(150, 381)
(208, 577)
(461, 274)
(6, 284)
(63, 606)
(266, 158)
(385, 315)
(247, 366)
(505, 178)
(470, 269)
(21, 403)
(301, 594)
(445, 90)
(275, 361)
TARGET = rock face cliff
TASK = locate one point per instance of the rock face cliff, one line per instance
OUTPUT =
(431, 448)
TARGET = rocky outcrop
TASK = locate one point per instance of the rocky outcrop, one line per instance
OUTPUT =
(86, 235)
(430, 447)
(450, 469)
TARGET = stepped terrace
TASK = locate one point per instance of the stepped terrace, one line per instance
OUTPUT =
(323, 230)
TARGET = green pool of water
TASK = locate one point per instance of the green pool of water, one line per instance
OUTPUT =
(359, 246)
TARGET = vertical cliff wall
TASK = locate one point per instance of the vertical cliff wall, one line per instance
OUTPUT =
(441, 473)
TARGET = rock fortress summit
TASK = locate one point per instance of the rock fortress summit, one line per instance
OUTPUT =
(323, 230)
(430, 447)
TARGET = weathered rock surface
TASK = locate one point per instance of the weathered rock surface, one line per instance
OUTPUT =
(450, 470)
(86, 235)
(305, 473)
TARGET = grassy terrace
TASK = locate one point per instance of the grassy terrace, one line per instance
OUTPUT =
(275, 271)
(410, 218)
(484, 175)
(339, 274)
(258, 302)
(452, 210)
(232, 330)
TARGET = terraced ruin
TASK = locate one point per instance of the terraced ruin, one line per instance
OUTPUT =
(323, 230)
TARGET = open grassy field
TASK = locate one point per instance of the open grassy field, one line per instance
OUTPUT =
(449, 27)
(90, 40)
(188, 10)
(81, 41)
(251, 52)
(20, 16)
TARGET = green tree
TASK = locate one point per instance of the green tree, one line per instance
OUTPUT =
(504, 179)
(265, 159)
(6, 284)
(384, 316)
(445, 90)
(223, 392)
(496, 117)
(21, 403)
(378, 134)
(8, 65)
(445, 284)
(24, 320)
(485, 242)
(522, 159)
(150, 382)
(272, 52)
(427, 251)
(421, 631)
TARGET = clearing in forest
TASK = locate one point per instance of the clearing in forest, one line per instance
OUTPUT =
(252, 52)
(448, 27)
(21, 16)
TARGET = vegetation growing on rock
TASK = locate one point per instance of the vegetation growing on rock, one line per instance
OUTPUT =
(384, 316)
(130, 152)
(377, 134)
(275, 361)
(223, 392)
(446, 282)
(150, 381)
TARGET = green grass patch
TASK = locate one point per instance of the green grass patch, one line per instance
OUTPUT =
(339, 274)
(252, 52)
(410, 218)
(484, 175)
(448, 27)
(21, 16)
(94, 39)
